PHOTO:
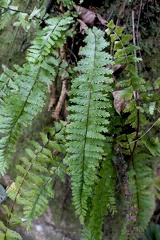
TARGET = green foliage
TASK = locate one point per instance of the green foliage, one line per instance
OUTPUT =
(94, 147)
(139, 150)
(103, 202)
(141, 180)
(90, 95)
(23, 92)
(7, 233)
(67, 3)
(37, 171)
(152, 232)
(21, 18)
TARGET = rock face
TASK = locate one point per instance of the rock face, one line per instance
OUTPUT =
(47, 231)
(42, 231)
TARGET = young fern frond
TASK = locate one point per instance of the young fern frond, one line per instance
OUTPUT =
(23, 92)
(88, 117)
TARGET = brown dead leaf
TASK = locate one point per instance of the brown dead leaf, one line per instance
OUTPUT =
(116, 67)
(86, 15)
(83, 26)
(119, 102)
(101, 19)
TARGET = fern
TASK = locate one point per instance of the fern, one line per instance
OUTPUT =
(102, 149)
(141, 182)
(23, 92)
(139, 172)
(34, 184)
(8, 233)
(103, 199)
(88, 115)
(21, 18)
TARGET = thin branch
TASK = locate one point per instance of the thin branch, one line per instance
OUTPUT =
(137, 37)
(145, 132)
(134, 36)
(136, 93)
(53, 97)
(61, 101)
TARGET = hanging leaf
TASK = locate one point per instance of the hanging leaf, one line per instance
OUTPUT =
(86, 15)
(119, 102)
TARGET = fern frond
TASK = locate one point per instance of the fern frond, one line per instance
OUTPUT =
(7, 233)
(88, 115)
(34, 183)
(10, 12)
(103, 198)
(138, 152)
(141, 182)
(133, 85)
(24, 92)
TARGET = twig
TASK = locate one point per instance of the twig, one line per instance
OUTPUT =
(53, 97)
(71, 52)
(136, 93)
(135, 143)
(145, 132)
(134, 36)
(61, 101)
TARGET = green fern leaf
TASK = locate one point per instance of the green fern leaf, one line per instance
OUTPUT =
(33, 185)
(7, 233)
(103, 198)
(28, 92)
(141, 187)
(90, 95)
